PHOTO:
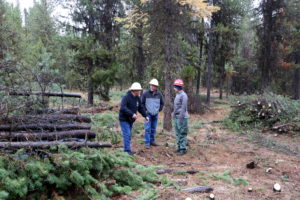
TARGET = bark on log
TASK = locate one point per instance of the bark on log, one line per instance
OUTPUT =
(49, 94)
(51, 127)
(54, 143)
(278, 126)
(48, 118)
(72, 111)
(49, 136)
(164, 171)
(199, 189)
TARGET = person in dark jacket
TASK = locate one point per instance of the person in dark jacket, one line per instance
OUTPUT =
(130, 104)
(153, 102)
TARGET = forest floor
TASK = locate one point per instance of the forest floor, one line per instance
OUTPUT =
(215, 151)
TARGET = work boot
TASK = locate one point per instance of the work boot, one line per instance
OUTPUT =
(154, 144)
(181, 153)
(177, 151)
(131, 153)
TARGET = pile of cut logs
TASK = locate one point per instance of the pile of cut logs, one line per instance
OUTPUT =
(47, 129)
(272, 112)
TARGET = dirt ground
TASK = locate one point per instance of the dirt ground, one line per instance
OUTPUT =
(215, 150)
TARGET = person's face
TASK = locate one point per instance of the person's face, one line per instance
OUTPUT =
(153, 88)
(136, 92)
(176, 90)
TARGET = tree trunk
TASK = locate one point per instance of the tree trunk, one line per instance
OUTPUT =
(49, 136)
(210, 62)
(139, 59)
(90, 92)
(200, 61)
(168, 38)
(51, 144)
(222, 77)
(297, 83)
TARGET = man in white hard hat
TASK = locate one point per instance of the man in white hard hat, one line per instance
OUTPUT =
(153, 102)
(130, 104)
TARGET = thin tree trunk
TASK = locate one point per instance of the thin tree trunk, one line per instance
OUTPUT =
(90, 92)
(200, 62)
(167, 70)
(297, 83)
(210, 63)
(139, 60)
(222, 77)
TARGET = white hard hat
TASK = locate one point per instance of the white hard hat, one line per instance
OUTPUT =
(154, 82)
(135, 86)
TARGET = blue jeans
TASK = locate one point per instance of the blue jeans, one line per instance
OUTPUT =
(150, 129)
(126, 128)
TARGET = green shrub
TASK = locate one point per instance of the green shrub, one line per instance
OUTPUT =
(105, 125)
(226, 177)
(85, 171)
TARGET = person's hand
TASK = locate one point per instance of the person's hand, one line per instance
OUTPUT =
(147, 119)
(134, 116)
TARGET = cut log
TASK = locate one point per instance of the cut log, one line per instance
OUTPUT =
(164, 171)
(72, 111)
(192, 171)
(45, 118)
(199, 189)
(54, 143)
(278, 126)
(49, 94)
(49, 136)
(51, 127)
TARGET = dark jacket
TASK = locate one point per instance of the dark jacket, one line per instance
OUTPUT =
(129, 106)
(153, 102)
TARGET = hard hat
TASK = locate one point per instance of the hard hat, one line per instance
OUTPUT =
(178, 82)
(154, 82)
(135, 86)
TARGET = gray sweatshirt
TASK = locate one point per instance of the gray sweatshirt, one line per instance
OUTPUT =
(180, 105)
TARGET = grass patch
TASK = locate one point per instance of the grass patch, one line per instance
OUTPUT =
(226, 177)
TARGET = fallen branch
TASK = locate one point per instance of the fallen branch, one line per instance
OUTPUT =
(283, 125)
(165, 171)
(51, 127)
(199, 189)
(49, 136)
(54, 143)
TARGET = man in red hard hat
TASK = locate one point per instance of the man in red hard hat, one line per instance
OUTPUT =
(180, 116)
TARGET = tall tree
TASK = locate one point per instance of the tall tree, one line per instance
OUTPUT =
(228, 23)
(271, 10)
(95, 20)
(166, 18)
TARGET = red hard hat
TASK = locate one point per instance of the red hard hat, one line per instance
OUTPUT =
(178, 82)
